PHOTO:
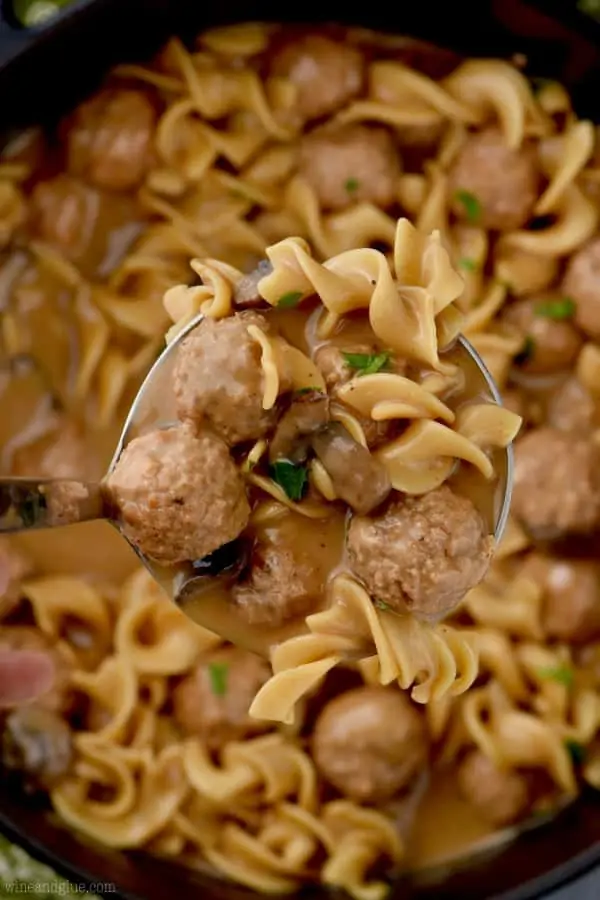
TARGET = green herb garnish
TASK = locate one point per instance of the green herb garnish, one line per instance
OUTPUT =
(218, 674)
(299, 392)
(469, 265)
(289, 300)
(470, 204)
(576, 752)
(380, 604)
(291, 478)
(367, 363)
(352, 185)
(561, 674)
(526, 352)
(563, 308)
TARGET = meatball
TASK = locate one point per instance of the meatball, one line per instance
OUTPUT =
(501, 183)
(14, 567)
(212, 702)
(218, 378)
(285, 581)
(336, 371)
(109, 139)
(22, 637)
(37, 743)
(350, 164)
(554, 343)
(326, 73)
(177, 495)
(556, 487)
(571, 589)
(369, 743)
(500, 796)
(582, 284)
(64, 213)
(423, 554)
(572, 408)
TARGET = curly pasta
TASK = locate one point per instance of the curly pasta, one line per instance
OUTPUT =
(431, 660)
(216, 173)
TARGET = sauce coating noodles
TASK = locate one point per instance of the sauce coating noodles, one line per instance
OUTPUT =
(217, 152)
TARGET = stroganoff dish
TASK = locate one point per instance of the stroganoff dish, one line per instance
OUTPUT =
(217, 152)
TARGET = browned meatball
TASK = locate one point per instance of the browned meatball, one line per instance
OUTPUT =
(109, 139)
(500, 796)
(553, 342)
(14, 567)
(571, 610)
(218, 378)
(369, 743)
(326, 73)
(63, 213)
(178, 495)
(351, 164)
(23, 637)
(492, 185)
(572, 408)
(212, 702)
(423, 554)
(556, 483)
(336, 371)
(582, 284)
(286, 580)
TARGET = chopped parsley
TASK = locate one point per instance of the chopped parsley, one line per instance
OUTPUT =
(470, 204)
(367, 363)
(576, 752)
(352, 185)
(218, 674)
(289, 300)
(291, 478)
(561, 674)
(563, 308)
(299, 392)
(526, 352)
(380, 604)
(469, 265)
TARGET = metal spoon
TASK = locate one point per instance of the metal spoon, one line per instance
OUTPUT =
(27, 503)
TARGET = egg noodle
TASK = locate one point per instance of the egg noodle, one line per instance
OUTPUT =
(224, 184)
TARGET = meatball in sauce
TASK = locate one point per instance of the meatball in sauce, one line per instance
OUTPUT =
(370, 743)
(178, 494)
(556, 483)
(492, 185)
(422, 554)
(212, 702)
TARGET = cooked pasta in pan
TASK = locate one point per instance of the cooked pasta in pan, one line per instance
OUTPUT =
(285, 157)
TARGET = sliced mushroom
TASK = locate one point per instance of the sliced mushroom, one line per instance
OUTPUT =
(245, 295)
(307, 413)
(37, 742)
(226, 561)
(358, 478)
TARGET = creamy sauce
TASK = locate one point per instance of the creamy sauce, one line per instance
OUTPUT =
(40, 322)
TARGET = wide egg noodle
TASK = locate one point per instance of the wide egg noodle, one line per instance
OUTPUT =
(225, 186)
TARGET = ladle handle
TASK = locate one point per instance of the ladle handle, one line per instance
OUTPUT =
(27, 504)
